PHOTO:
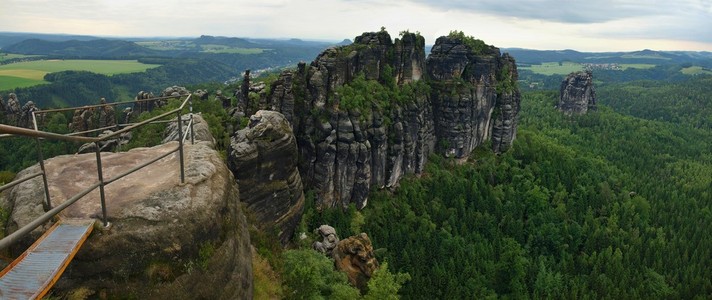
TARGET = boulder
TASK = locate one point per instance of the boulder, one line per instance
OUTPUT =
(329, 239)
(354, 256)
(577, 95)
(167, 239)
(263, 158)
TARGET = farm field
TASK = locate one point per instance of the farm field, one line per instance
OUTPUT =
(552, 68)
(24, 74)
(5, 56)
(695, 70)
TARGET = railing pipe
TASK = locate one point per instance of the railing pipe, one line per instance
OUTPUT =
(101, 184)
(41, 134)
(192, 133)
(18, 181)
(40, 157)
(180, 148)
(185, 134)
(17, 235)
(106, 104)
(145, 121)
(139, 167)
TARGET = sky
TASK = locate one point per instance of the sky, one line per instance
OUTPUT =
(588, 25)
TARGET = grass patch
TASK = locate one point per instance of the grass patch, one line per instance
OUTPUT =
(637, 66)
(696, 70)
(267, 283)
(12, 82)
(30, 73)
(227, 49)
(551, 68)
(106, 67)
(5, 56)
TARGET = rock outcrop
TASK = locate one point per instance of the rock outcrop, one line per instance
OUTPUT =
(263, 158)
(167, 240)
(201, 130)
(577, 95)
(354, 256)
(474, 96)
(329, 239)
(452, 103)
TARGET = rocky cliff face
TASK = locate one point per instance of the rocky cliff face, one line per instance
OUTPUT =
(456, 100)
(263, 158)
(167, 240)
(474, 96)
(577, 95)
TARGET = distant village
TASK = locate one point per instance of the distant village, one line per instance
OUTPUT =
(611, 66)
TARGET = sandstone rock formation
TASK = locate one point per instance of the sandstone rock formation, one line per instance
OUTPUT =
(263, 158)
(329, 239)
(26, 115)
(167, 241)
(143, 106)
(109, 145)
(200, 128)
(13, 113)
(474, 96)
(175, 91)
(106, 116)
(344, 152)
(354, 256)
(577, 95)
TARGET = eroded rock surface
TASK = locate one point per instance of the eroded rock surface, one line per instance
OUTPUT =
(263, 158)
(329, 239)
(459, 98)
(354, 256)
(167, 240)
(200, 128)
(577, 95)
(474, 96)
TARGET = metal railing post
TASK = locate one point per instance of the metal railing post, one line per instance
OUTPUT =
(41, 161)
(44, 173)
(192, 133)
(101, 184)
(180, 148)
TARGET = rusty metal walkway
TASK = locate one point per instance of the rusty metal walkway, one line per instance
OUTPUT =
(34, 272)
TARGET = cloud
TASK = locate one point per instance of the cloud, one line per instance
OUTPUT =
(542, 24)
(575, 11)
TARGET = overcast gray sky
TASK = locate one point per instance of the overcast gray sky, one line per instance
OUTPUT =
(590, 25)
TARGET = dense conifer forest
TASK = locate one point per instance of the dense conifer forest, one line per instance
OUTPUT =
(603, 205)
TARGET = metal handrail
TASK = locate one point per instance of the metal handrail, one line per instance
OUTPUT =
(18, 181)
(12, 238)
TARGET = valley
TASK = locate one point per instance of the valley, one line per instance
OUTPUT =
(458, 163)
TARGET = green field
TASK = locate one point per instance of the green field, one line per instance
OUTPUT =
(551, 68)
(228, 49)
(636, 66)
(24, 74)
(695, 70)
(4, 56)
(188, 46)
(11, 82)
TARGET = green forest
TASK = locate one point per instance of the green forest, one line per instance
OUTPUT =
(613, 204)
(603, 205)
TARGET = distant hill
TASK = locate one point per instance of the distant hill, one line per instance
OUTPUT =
(81, 49)
(9, 38)
(528, 56)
